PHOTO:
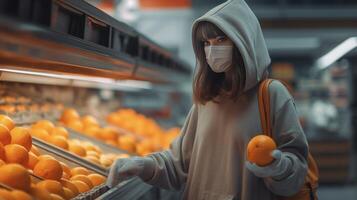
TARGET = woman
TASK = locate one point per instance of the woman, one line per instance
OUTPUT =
(208, 159)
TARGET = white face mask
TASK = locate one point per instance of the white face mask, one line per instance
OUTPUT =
(219, 57)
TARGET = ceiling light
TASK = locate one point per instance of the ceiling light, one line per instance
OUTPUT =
(336, 53)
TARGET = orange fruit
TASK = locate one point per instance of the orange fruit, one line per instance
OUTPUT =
(81, 186)
(96, 179)
(98, 150)
(93, 159)
(91, 147)
(75, 141)
(48, 169)
(68, 194)
(44, 124)
(33, 160)
(259, 150)
(107, 162)
(35, 150)
(92, 131)
(111, 155)
(15, 153)
(8, 109)
(40, 193)
(75, 125)
(21, 136)
(89, 120)
(113, 118)
(144, 147)
(2, 163)
(45, 157)
(70, 186)
(40, 133)
(5, 137)
(77, 149)
(93, 154)
(122, 155)
(66, 169)
(15, 176)
(59, 141)
(108, 133)
(21, 195)
(82, 178)
(66, 176)
(111, 142)
(51, 186)
(6, 195)
(7, 121)
(2, 152)
(68, 115)
(79, 170)
(56, 197)
(60, 131)
(127, 142)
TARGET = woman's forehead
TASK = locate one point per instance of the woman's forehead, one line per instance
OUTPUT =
(208, 30)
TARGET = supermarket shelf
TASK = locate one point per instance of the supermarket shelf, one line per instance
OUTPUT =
(128, 190)
(146, 69)
(5, 186)
(13, 74)
(72, 160)
(73, 37)
(27, 46)
(69, 156)
(106, 148)
(94, 193)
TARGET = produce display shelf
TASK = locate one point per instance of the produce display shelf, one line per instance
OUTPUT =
(65, 155)
(131, 189)
(74, 161)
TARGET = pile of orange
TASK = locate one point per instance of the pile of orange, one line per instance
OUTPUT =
(47, 131)
(88, 125)
(93, 153)
(145, 136)
(149, 135)
(14, 105)
(59, 136)
(19, 158)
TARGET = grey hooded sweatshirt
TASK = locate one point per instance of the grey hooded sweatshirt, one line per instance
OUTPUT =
(207, 159)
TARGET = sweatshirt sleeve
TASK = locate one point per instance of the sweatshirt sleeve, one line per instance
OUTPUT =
(291, 140)
(171, 166)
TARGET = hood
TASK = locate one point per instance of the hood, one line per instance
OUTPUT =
(239, 23)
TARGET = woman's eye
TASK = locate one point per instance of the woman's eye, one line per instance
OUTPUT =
(206, 43)
(221, 39)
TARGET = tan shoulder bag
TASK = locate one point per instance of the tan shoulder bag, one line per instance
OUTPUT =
(308, 191)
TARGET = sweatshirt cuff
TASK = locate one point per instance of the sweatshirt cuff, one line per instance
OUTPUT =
(287, 170)
(148, 165)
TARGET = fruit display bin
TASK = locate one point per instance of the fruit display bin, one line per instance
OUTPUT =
(74, 161)
(73, 135)
(68, 158)
(130, 189)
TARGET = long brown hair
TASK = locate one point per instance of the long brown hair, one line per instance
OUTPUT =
(207, 84)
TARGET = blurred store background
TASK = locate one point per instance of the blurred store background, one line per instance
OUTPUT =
(312, 43)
